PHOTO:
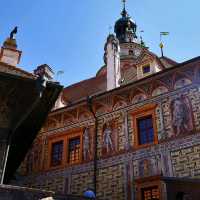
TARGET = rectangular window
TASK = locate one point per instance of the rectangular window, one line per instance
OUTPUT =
(151, 193)
(74, 152)
(144, 125)
(56, 153)
(146, 69)
(145, 130)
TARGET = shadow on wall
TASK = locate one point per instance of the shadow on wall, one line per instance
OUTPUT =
(22, 193)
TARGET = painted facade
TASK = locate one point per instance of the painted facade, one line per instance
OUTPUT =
(163, 97)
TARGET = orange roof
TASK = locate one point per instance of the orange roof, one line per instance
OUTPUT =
(95, 85)
(167, 62)
(84, 88)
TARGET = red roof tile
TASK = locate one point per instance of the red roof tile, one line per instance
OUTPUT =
(84, 88)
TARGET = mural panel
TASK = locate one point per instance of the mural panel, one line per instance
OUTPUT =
(147, 167)
(182, 115)
(159, 90)
(109, 138)
(181, 83)
(88, 143)
(33, 159)
(151, 166)
(138, 98)
(119, 104)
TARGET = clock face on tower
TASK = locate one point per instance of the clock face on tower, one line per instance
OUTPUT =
(137, 52)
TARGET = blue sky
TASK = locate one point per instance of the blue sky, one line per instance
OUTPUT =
(69, 35)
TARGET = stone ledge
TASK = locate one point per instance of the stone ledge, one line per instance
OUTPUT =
(8, 192)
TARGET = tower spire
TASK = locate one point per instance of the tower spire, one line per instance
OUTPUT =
(124, 12)
(124, 4)
(125, 27)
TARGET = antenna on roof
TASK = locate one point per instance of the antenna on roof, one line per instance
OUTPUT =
(161, 42)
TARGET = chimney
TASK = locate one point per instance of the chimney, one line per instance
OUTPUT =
(44, 71)
(44, 74)
(9, 53)
(112, 60)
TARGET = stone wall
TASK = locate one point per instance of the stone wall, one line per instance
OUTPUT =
(186, 162)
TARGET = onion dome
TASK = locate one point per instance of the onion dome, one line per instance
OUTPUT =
(125, 28)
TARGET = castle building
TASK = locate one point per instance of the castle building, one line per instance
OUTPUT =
(130, 132)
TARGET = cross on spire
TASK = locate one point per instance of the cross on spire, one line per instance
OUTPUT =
(124, 4)
(124, 12)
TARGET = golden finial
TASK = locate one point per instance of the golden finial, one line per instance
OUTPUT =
(161, 43)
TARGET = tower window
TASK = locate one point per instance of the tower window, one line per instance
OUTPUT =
(145, 130)
(74, 150)
(56, 153)
(146, 69)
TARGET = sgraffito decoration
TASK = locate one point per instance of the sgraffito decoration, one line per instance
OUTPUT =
(4, 110)
(138, 98)
(145, 168)
(124, 130)
(33, 158)
(148, 166)
(7, 103)
(181, 83)
(159, 90)
(87, 144)
(182, 115)
(119, 104)
(109, 138)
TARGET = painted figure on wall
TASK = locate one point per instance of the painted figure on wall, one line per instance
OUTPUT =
(182, 118)
(107, 138)
(145, 168)
(150, 166)
(166, 164)
(124, 129)
(86, 144)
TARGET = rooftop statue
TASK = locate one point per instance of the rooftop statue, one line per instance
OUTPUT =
(13, 32)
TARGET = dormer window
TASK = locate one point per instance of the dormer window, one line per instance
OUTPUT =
(146, 69)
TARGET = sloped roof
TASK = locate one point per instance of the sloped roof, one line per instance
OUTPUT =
(97, 84)
(15, 70)
(84, 88)
(167, 62)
